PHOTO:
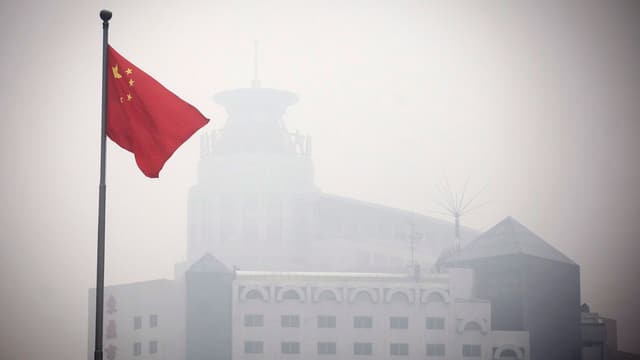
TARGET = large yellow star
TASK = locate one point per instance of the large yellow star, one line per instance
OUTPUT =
(131, 82)
(128, 71)
(116, 74)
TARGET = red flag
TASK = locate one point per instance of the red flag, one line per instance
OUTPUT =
(144, 117)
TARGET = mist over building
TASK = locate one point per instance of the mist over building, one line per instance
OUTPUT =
(277, 268)
(256, 191)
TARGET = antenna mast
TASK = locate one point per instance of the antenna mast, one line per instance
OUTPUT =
(458, 205)
(413, 237)
(255, 83)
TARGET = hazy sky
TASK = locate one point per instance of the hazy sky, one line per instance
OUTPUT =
(539, 101)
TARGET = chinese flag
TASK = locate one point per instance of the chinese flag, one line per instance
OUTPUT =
(144, 117)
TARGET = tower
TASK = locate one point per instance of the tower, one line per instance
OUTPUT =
(255, 204)
(253, 178)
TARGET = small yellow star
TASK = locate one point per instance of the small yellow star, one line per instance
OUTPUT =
(129, 97)
(128, 71)
(131, 82)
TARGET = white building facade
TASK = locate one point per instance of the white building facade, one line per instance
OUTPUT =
(369, 316)
(142, 321)
(306, 315)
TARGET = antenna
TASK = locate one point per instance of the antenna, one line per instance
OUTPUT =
(255, 83)
(413, 237)
(412, 240)
(458, 204)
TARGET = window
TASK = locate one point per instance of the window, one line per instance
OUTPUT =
(253, 347)
(153, 347)
(363, 297)
(471, 350)
(137, 349)
(435, 298)
(472, 326)
(362, 322)
(253, 320)
(290, 321)
(435, 323)
(508, 354)
(435, 350)
(326, 321)
(326, 348)
(362, 349)
(254, 295)
(290, 295)
(290, 347)
(153, 320)
(399, 349)
(400, 297)
(137, 322)
(327, 295)
(399, 322)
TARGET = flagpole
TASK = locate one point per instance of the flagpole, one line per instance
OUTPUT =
(105, 15)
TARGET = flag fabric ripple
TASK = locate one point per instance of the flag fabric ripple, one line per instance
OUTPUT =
(144, 117)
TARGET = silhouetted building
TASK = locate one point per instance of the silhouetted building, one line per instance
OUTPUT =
(531, 287)
(599, 336)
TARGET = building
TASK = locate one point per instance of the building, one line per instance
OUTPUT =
(256, 190)
(143, 320)
(531, 286)
(215, 313)
(599, 336)
(375, 315)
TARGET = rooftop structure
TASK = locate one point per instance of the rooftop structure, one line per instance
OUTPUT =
(531, 287)
(509, 237)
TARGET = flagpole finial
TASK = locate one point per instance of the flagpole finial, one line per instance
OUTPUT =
(105, 15)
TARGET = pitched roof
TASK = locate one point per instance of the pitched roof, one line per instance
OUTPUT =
(208, 263)
(509, 237)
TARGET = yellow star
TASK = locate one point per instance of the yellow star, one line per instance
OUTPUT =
(116, 74)
(131, 82)
(129, 97)
(128, 71)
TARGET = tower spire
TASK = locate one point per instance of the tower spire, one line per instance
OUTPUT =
(255, 83)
